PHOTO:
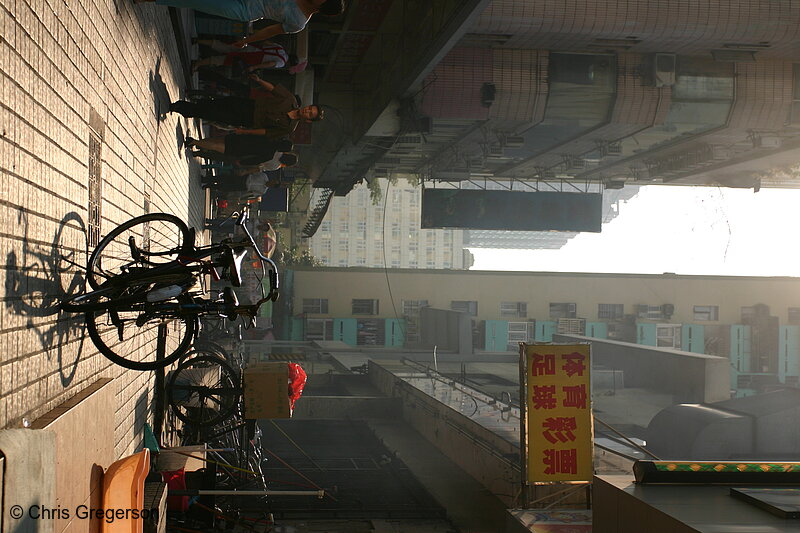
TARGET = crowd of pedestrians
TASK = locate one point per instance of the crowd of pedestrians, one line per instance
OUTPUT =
(252, 118)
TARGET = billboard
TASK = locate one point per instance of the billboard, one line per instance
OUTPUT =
(511, 210)
(559, 412)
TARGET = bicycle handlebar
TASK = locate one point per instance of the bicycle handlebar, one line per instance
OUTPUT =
(273, 272)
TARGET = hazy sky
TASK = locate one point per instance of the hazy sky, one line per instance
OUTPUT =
(685, 230)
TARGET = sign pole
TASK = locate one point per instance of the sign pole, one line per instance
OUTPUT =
(523, 426)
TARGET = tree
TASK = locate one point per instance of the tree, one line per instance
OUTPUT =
(294, 257)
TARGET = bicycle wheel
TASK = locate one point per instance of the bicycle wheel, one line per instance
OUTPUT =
(203, 345)
(117, 335)
(142, 242)
(204, 390)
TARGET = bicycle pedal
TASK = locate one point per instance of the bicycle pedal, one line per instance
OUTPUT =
(117, 322)
(141, 320)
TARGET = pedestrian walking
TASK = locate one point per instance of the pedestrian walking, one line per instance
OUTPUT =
(291, 15)
(244, 150)
(272, 112)
(256, 182)
(252, 57)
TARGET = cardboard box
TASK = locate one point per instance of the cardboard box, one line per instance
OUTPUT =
(266, 391)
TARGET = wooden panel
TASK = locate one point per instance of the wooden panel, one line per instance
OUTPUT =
(84, 428)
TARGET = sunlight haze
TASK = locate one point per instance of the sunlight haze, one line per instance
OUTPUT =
(684, 230)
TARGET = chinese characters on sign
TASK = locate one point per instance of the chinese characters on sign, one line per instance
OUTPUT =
(559, 413)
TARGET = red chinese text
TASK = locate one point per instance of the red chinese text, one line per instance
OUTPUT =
(559, 429)
(573, 364)
(544, 364)
(561, 461)
(575, 396)
(544, 397)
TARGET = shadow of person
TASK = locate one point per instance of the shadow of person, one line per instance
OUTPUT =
(38, 278)
(161, 98)
(180, 136)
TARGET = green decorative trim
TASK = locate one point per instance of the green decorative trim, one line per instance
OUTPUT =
(674, 466)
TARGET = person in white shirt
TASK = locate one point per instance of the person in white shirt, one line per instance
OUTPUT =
(254, 183)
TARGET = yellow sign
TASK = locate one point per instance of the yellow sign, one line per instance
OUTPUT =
(559, 413)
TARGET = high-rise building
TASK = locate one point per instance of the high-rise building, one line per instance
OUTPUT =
(564, 96)
(357, 232)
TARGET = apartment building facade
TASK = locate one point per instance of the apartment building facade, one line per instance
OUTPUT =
(753, 321)
(357, 232)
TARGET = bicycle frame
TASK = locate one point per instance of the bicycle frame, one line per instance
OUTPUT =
(190, 265)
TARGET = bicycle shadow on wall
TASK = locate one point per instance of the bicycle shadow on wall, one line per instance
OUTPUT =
(39, 278)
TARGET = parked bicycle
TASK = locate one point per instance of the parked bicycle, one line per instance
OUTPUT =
(144, 310)
(205, 393)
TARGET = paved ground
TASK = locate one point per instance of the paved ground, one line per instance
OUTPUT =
(72, 71)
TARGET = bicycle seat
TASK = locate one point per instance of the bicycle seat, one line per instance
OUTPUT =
(235, 258)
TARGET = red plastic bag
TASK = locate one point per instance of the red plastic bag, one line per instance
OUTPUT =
(297, 380)
(176, 480)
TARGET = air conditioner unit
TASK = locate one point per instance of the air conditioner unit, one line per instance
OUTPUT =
(576, 163)
(409, 139)
(515, 142)
(664, 70)
(496, 151)
(769, 141)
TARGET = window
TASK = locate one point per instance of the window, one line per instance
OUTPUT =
(411, 314)
(794, 315)
(706, 312)
(650, 312)
(513, 309)
(610, 311)
(519, 332)
(412, 307)
(465, 306)
(345, 227)
(795, 114)
(563, 310)
(317, 306)
(668, 336)
(319, 329)
(365, 307)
